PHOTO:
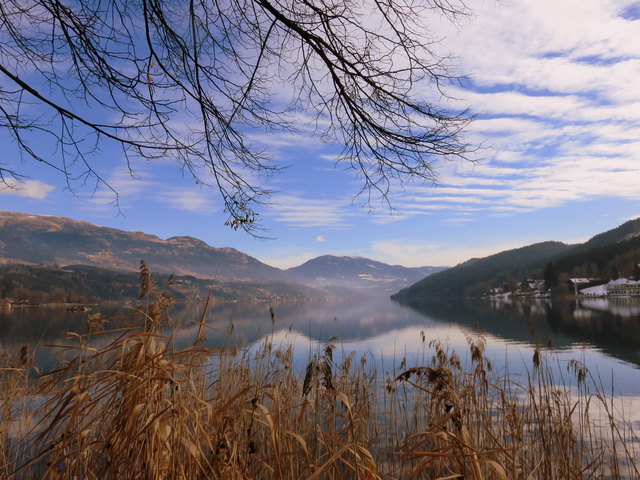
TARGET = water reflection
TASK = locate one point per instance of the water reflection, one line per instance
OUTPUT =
(344, 321)
(611, 327)
(381, 327)
(37, 328)
(621, 307)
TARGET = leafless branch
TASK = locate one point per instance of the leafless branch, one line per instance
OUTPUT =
(128, 72)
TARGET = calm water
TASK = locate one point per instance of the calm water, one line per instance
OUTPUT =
(603, 334)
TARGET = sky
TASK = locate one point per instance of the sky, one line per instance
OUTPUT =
(555, 89)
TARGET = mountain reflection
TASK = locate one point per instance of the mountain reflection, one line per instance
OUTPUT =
(346, 321)
(612, 327)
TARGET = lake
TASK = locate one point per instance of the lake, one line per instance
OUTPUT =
(603, 334)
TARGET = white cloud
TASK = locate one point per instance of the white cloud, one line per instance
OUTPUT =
(517, 103)
(125, 187)
(552, 183)
(145, 186)
(188, 199)
(285, 139)
(306, 212)
(29, 188)
(506, 31)
(555, 86)
(592, 172)
(387, 218)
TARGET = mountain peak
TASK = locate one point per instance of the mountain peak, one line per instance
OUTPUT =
(358, 273)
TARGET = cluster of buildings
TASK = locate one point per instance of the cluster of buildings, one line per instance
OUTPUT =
(580, 287)
(526, 288)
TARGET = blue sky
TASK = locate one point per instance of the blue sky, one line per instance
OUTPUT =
(556, 88)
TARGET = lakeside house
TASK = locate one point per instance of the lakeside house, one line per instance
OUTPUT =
(576, 282)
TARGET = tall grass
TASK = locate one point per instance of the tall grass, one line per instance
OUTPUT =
(128, 404)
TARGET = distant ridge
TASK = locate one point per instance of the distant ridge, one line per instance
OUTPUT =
(624, 232)
(358, 273)
(619, 248)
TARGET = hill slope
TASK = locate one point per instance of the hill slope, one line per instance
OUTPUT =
(358, 273)
(475, 276)
(87, 284)
(617, 250)
(40, 239)
(595, 257)
(626, 231)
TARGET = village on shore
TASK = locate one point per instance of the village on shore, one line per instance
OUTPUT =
(579, 287)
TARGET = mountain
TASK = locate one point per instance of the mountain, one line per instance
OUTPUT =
(56, 244)
(40, 239)
(357, 273)
(619, 247)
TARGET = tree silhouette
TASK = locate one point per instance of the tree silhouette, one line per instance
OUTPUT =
(615, 274)
(551, 276)
(192, 80)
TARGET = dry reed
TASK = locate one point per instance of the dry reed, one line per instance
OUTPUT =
(128, 404)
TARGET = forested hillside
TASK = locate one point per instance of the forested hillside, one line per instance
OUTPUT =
(476, 276)
(612, 254)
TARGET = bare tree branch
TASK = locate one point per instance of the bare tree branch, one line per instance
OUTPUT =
(129, 71)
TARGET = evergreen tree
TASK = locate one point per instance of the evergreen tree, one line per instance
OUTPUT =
(550, 276)
(615, 274)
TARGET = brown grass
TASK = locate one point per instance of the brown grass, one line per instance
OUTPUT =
(128, 404)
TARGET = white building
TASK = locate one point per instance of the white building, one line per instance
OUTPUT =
(621, 287)
(597, 291)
